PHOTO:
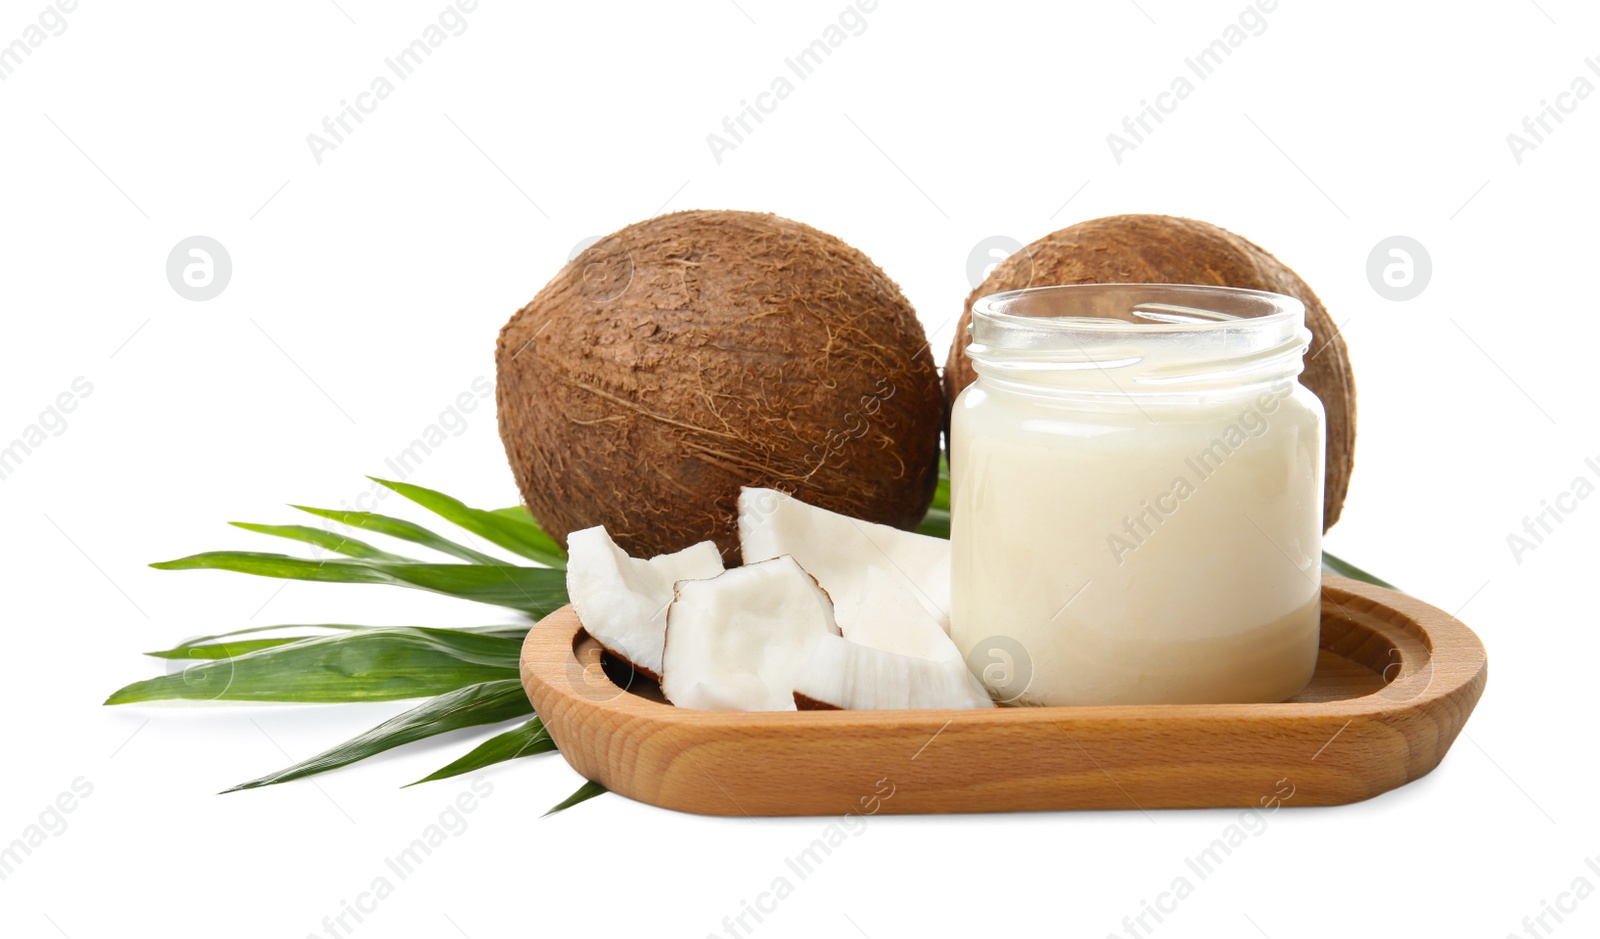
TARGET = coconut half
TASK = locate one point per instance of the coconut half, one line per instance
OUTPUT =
(737, 641)
(622, 601)
(842, 675)
(839, 551)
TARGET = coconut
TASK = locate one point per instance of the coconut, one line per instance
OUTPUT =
(622, 601)
(842, 675)
(891, 618)
(840, 551)
(688, 355)
(737, 641)
(1167, 250)
(893, 655)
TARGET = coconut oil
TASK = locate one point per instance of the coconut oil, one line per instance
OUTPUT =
(1136, 494)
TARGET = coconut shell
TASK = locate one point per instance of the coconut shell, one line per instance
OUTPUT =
(685, 356)
(1163, 249)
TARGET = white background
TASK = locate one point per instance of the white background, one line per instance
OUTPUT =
(366, 295)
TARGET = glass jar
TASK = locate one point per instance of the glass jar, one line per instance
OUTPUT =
(1136, 496)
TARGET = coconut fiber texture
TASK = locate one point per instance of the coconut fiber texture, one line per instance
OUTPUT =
(1162, 249)
(685, 356)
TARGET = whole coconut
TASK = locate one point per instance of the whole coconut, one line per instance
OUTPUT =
(1163, 249)
(685, 356)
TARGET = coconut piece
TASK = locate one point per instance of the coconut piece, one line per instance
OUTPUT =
(687, 355)
(737, 641)
(839, 550)
(840, 674)
(890, 617)
(622, 601)
(1162, 249)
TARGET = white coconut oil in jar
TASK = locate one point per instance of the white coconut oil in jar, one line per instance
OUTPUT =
(1136, 497)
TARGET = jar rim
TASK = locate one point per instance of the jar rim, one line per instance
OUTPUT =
(1125, 339)
(1238, 306)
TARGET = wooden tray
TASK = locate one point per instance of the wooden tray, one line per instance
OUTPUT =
(1395, 682)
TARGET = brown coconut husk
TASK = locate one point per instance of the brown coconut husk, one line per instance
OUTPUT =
(694, 353)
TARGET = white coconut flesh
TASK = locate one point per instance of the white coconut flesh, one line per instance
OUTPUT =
(847, 675)
(622, 601)
(737, 641)
(839, 550)
(891, 618)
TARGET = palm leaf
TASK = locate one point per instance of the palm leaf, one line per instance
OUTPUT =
(487, 703)
(585, 792)
(535, 591)
(378, 664)
(401, 529)
(331, 541)
(212, 647)
(941, 495)
(212, 643)
(937, 521)
(516, 513)
(223, 650)
(527, 740)
(516, 536)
